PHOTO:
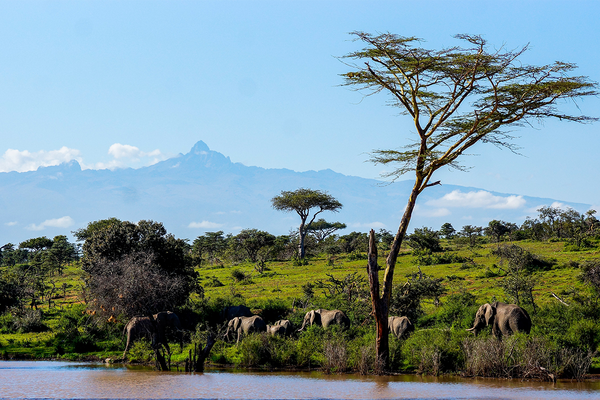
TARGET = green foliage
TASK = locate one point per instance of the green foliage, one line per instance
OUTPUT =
(135, 269)
(29, 321)
(434, 351)
(426, 257)
(458, 310)
(407, 299)
(424, 239)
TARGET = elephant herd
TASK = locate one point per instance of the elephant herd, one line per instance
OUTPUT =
(242, 322)
(505, 319)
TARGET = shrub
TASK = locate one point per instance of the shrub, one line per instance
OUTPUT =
(335, 355)
(524, 357)
(141, 352)
(433, 351)
(309, 347)
(30, 321)
(214, 282)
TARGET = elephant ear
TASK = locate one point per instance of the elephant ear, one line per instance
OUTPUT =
(236, 323)
(490, 313)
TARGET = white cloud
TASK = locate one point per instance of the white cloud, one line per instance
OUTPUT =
(479, 199)
(22, 161)
(204, 225)
(63, 222)
(125, 156)
(12, 223)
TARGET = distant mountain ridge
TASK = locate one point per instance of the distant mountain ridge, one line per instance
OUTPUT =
(204, 190)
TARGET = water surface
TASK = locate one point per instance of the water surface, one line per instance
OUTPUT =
(62, 380)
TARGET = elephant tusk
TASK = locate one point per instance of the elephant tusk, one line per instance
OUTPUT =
(470, 329)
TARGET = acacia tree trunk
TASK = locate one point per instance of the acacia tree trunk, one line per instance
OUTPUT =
(381, 302)
(302, 236)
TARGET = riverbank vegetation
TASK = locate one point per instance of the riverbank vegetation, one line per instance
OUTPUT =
(56, 302)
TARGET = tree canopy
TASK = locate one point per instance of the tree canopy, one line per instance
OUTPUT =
(456, 98)
(135, 269)
(302, 201)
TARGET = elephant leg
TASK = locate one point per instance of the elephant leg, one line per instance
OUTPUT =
(127, 345)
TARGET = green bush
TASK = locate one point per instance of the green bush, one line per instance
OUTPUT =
(309, 347)
(30, 321)
(434, 351)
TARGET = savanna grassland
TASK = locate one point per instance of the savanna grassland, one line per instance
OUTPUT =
(439, 290)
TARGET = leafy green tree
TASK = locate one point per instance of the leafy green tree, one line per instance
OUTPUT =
(455, 97)
(447, 230)
(36, 244)
(210, 246)
(322, 229)
(354, 241)
(472, 233)
(251, 241)
(62, 252)
(135, 269)
(496, 229)
(424, 239)
(302, 201)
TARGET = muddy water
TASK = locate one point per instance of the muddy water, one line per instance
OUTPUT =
(59, 380)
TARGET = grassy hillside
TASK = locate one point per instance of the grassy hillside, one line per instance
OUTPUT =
(64, 328)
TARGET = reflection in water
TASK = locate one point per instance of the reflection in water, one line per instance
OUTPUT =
(20, 379)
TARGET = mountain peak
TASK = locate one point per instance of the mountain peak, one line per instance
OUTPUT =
(200, 148)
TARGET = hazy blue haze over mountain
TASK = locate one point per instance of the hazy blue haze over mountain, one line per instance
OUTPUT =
(204, 191)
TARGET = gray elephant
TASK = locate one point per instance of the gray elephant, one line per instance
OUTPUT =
(400, 326)
(164, 320)
(138, 328)
(283, 327)
(245, 325)
(325, 318)
(504, 318)
(228, 313)
(154, 329)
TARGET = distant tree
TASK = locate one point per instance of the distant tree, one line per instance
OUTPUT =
(354, 241)
(321, 229)
(447, 230)
(472, 233)
(302, 201)
(36, 245)
(424, 239)
(518, 284)
(496, 229)
(251, 241)
(209, 246)
(61, 252)
(455, 97)
(384, 239)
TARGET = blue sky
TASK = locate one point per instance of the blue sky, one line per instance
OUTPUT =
(128, 83)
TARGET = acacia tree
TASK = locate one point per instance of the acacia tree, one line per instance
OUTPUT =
(456, 97)
(302, 201)
(322, 229)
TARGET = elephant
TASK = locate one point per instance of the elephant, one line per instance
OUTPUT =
(504, 318)
(153, 328)
(231, 312)
(400, 326)
(325, 318)
(164, 320)
(283, 327)
(245, 325)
